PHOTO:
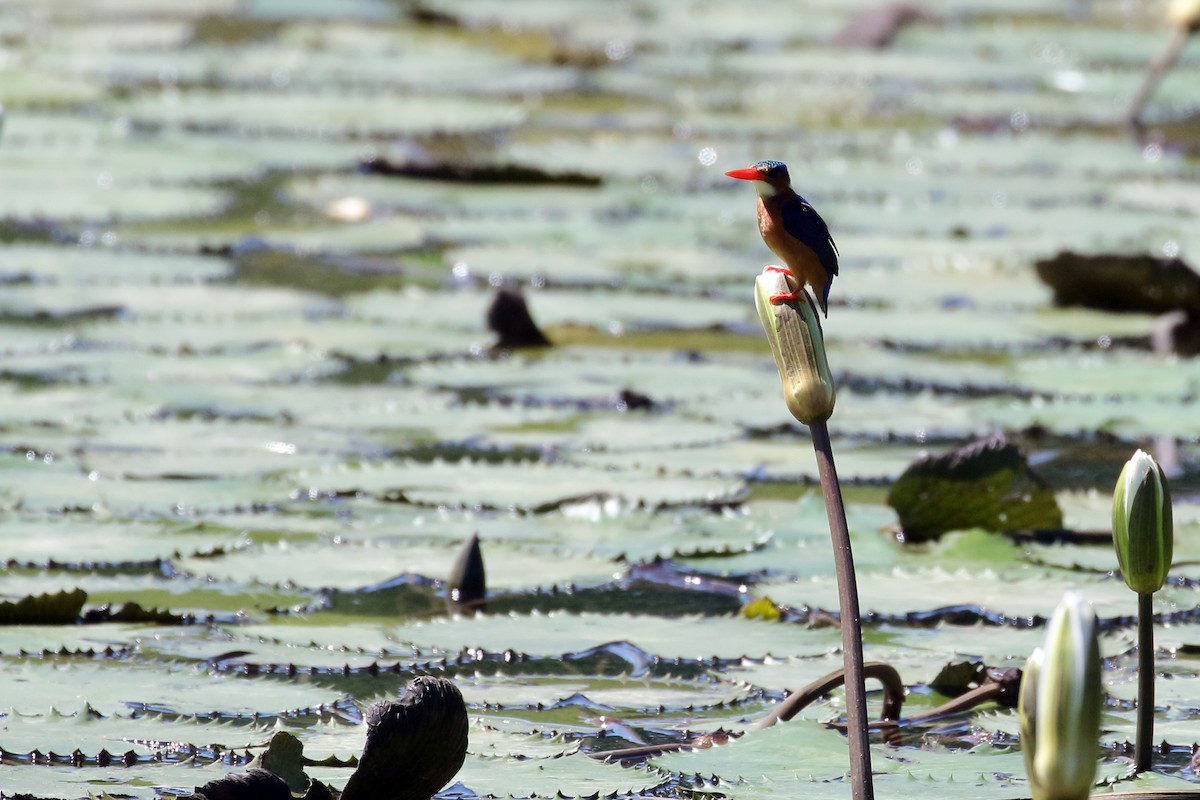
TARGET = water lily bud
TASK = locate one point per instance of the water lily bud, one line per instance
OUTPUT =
(1143, 533)
(1184, 13)
(1027, 707)
(799, 348)
(1059, 705)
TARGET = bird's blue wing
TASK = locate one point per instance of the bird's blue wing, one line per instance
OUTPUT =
(804, 223)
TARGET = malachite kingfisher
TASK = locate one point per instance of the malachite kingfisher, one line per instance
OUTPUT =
(793, 230)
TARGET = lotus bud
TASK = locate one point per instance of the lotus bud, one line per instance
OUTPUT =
(1143, 533)
(799, 348)
(1059, 705)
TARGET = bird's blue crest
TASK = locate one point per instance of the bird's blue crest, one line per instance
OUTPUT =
(770, 166)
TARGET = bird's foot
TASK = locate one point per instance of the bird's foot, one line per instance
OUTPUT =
(776, 299)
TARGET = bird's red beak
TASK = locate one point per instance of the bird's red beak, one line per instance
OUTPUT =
(747, 174)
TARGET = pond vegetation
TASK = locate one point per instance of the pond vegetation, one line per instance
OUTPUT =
(252, 410)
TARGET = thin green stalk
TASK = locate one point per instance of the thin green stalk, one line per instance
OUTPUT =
(852, 654)
(1144, 742)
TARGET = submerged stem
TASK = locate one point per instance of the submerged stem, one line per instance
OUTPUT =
(1145, 698)
(852, 654)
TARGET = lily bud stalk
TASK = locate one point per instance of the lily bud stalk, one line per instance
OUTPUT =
(795, 337)
(1144, 537)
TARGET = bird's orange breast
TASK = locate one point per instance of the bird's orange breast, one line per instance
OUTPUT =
(798, 257)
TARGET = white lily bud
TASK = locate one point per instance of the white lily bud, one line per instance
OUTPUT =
(795, 336)
(1184, 13)
(1059, 705)
(1143, 531)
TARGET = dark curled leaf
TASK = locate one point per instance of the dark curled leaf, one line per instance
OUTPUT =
(954, 679)
(1121, 283)
(256, 784)
(318, 791)
(987, 484)
(468, 583)
(630, 400)
(61, 608)
(415, 745)
(509, 318)
(285, 757)
(423, 166)
(133, 612)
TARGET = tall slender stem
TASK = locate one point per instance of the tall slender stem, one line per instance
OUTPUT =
(1144, 742)
(852, 654)
(1154, 76)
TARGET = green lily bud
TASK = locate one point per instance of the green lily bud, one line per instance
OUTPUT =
(1059, 705)
(1143, 532)
(799, 348)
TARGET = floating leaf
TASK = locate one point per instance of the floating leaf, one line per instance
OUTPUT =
(183, 690)
(534, 487)
(987, 484)
(316, 114)
(44, 609)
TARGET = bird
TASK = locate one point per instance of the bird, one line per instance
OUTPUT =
(793, 230)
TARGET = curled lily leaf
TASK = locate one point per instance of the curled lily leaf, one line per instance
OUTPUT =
(1143, 532)
(798, 346)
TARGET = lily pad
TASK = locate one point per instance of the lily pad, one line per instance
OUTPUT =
(1007, 596)
(68, 688)
(318, 567)
(245, 378)
(531, 487)
(99, 267)
(688, 638)
(986, 484)
(322, 114)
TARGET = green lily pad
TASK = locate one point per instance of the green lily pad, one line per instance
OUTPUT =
(70, 638)
(64, 301)
(574, 776)
(335, 567)
(74, 541)
(98, 267)
(354, 338)
(77, 196)
(1015, 598)
(554, 634)
(115, 367)
(322, 114)
(26, 87)
(513, 486)
(185, 691)
(199, 415)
